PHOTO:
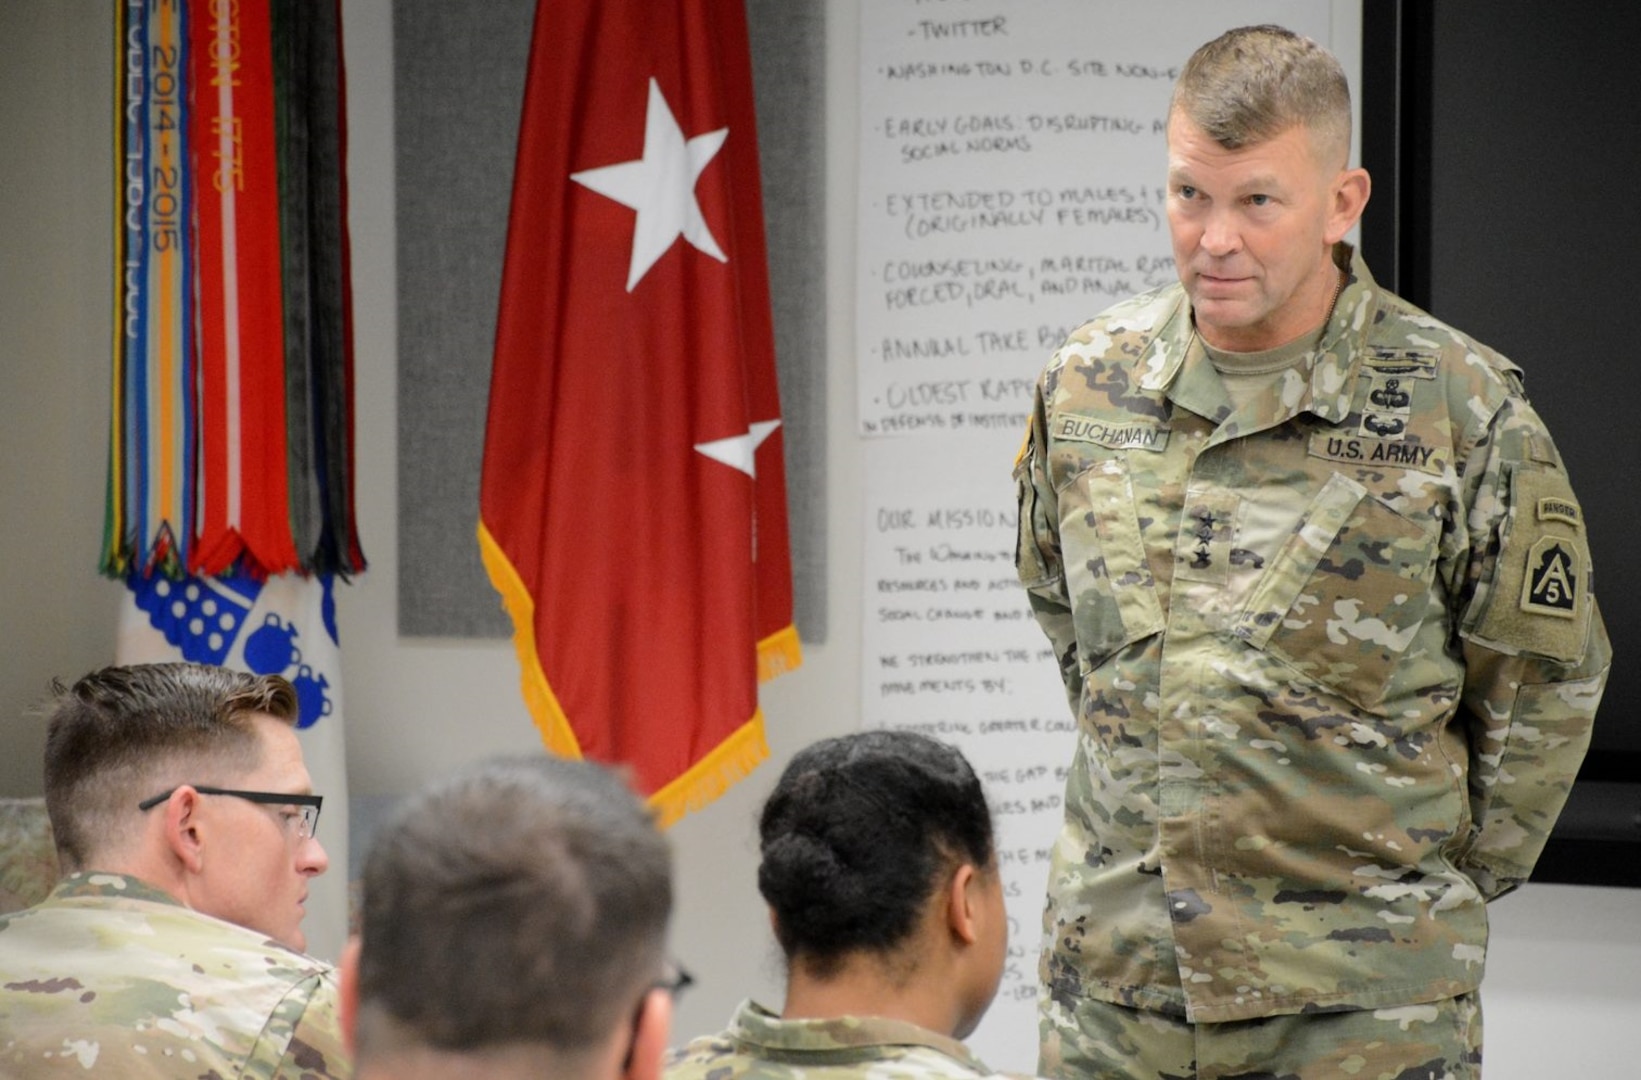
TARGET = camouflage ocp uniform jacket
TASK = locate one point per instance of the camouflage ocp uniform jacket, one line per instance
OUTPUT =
(1334, 658)
(759, 1045)
(109, 977)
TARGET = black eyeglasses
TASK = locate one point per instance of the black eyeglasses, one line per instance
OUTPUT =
(675, 979)
(304, 822)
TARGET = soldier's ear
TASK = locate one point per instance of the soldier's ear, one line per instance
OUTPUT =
(962, 904)
(649, 1037)
(347, 997)
(1350, 193)
(184, 829)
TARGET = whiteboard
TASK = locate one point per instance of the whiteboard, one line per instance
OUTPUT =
(1012, 161)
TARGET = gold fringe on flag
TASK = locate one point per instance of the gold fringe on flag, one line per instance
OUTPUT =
(779, 653)
(538, 695)
(730, 761)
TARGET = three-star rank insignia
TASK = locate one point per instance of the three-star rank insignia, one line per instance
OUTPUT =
(1551, 583)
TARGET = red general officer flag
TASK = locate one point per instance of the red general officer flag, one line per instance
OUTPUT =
(633, 507)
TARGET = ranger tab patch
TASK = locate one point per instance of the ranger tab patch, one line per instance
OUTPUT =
(1553, 509)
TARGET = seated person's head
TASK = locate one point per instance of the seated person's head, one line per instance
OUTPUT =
(513, 922)
(175, 774)
(881, 878)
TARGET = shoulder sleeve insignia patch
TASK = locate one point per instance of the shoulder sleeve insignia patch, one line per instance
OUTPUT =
(1551, 583)
(1540, 597)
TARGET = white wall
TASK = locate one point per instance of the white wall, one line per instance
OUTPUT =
(1563, 980)
(56, 288)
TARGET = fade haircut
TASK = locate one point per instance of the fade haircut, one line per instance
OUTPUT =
(122, 734)
(859, 833)
(1253, 83)
(522, 902)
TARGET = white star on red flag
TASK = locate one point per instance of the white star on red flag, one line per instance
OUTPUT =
(661, 187)
(739, 451)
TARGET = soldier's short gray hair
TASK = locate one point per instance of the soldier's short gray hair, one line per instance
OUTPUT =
(1256, 82)
(523, 902)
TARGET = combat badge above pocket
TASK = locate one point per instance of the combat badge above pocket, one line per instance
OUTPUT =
(1540, 599)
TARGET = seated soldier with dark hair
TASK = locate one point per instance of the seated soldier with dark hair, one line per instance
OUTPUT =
(184, 820)
(884, 893)
(514, 925)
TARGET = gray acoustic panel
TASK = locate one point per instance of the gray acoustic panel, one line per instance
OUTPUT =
(459, 69)
(788, 74)
(458, 85)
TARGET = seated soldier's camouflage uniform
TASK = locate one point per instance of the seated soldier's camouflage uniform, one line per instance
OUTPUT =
(158, 991)
(759, 1045)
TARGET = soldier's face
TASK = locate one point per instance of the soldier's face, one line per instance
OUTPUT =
(256, 868)
(1252, 229)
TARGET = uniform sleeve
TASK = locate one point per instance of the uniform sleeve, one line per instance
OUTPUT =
(304, 1036)
(1037, 550)
(1535, 649)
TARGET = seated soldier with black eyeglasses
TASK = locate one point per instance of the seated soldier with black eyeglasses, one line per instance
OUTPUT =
(184, 819)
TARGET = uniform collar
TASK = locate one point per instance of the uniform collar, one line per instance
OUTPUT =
(103, 885)
(758, 1027)
(1177, 365)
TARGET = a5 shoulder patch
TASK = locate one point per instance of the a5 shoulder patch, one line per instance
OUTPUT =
(1540, 600)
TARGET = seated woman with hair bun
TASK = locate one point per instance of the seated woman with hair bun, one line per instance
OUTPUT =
(884, 894)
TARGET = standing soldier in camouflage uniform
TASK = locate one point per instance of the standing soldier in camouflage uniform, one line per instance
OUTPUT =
(883, 887)
(1320, 592)
(513, 926)
(184, 820)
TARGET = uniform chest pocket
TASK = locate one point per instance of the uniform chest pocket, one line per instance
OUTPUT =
(1345, 596)
(1113, 591)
